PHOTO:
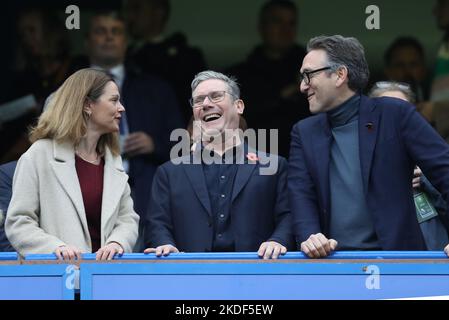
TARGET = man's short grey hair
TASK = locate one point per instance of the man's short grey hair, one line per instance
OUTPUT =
(381, 87)
(344, 51)
(231, 81)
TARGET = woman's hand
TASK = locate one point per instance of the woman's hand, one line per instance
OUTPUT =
(68, 253)
(109, 251)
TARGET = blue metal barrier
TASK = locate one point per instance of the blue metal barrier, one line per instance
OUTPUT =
(36, 282)
(345, 255)
(240, 275)
(244, 276)
(4, 256)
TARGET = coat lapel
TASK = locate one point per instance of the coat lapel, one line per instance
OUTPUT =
(244, 171)
(321, 139)
(368, 128)
(65, 172)
(195, 175)
(114, 184)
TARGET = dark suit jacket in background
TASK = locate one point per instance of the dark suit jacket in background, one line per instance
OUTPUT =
(180, 211)
(6, 176)
(393, 137)
(262, 80)
(173, 60)
(151, 107)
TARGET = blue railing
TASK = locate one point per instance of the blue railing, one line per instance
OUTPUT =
(357, 255)
(366, 275)
(4, 256)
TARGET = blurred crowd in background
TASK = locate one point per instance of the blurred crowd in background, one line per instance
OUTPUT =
(131, 34)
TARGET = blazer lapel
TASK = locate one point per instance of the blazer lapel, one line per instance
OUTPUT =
(195, 175)
(244, 171)
(114, 184)
(65, 172)
(368, 129)
(321, 139)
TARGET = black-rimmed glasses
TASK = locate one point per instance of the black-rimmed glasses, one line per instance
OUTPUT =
(214, 96)
(305, 76)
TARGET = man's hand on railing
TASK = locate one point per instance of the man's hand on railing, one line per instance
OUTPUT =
(164, 250)
(318, 246)
(271, 250)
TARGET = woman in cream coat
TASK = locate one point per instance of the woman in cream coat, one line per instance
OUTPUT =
(70, 192)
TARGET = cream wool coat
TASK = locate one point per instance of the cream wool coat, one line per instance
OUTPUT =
(47, 209)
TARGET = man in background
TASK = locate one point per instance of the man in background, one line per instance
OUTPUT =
(151, 107)
(269, 76)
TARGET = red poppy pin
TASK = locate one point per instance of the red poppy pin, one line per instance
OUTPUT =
(369, 126)
(252, 157)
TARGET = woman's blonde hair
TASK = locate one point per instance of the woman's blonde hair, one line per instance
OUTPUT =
(64, 119)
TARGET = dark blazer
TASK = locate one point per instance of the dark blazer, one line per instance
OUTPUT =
(180, 211)
(393, 137)
(6, 175)
(151, 107)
